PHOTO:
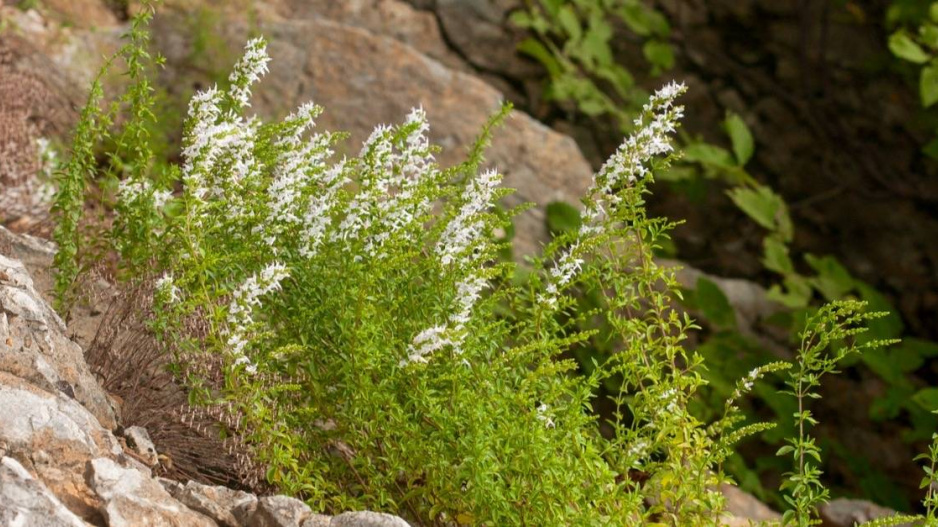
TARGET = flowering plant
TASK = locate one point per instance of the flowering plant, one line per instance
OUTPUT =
(377, 351)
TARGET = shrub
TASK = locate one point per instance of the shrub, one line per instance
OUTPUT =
(354, 317)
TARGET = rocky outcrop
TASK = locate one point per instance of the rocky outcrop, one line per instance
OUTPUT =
(33, 345)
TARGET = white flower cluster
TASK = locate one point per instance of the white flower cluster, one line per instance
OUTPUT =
(466, 228)
(166, 289)
(543, 415)
(745, 384)
(462, 233)
(215, 138)
(298, 166)
(248, 70)
(396, 161)
(629, 163)
(632, 158)
(241, 308)
(129, 191)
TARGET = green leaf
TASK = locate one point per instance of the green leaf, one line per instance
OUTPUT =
(570, 23)
(933, 12)
(776, 256)
(928, 33)
(536, 50)
(740, 137)
(927, 398)
(708, 154)
(832, 280)
(928, 85)
(796, 292)
(888, 327)
(766, 207)
(715, 306)
(659, 54)
(902, 46)
(562, 218)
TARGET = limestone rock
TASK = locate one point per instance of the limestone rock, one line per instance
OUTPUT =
(130, 499)
(391, 18)
(218, 503)
(34, 347)
(367, 519)
(53, 436)
(317, 520)
(745, 507)
(139, 440)
(279, 511)
(843, 512)
(24, 500)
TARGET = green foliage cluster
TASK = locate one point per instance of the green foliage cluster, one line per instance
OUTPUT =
(563, 41)
(357, 318)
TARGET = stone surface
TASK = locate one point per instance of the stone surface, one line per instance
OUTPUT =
(279, 511)
(217, 502)
(363, 79)
(367, 519)
(392, 18)
(131, 499)
(745, 507)
(139, 440)
(34, 347)
(479, 29)
(25, 501)
(53, 437)
(317, 520)
(843, 512)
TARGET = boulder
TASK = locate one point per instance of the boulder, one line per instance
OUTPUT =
(24, 500)
(279, 511)
(367, 519)
(843, 512)
(34, 346)
(221, 504)
(53, 436)
(139, 440)
(390, 18)
(745, 508)
(131, 499)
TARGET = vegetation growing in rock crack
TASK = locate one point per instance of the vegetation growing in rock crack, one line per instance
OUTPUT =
(378, 353)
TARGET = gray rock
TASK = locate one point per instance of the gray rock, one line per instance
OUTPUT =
(279, 511)
(34, 345)
(317, 520)
(130, 499)
(843, 512)
(25, 501)
(367, 519)
(54, 437)
(744, 506)
(139, 440)
(217, 502)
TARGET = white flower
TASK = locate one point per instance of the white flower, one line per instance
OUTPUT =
(466, 229)
(248, 70)
(425, 343)
(166, 289)
(629, 163)
(543, 416)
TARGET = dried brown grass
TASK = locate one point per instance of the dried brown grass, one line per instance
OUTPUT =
(201, 443)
